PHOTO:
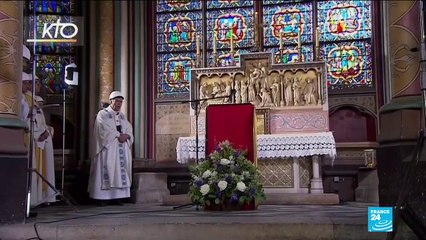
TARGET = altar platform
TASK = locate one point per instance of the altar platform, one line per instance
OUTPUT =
(136, 221)
(288, 164)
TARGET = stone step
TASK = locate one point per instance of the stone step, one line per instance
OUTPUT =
(271, 199)
(155, 222)
(223, 228)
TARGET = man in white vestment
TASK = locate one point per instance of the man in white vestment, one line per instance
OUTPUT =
(42, 149)
(44, 153)
(111, 167)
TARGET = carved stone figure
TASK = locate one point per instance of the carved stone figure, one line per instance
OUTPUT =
(204, 90)
(237, 92)
(264, 77)
(228, 91)
(310, 92)
(266, 98)
(243, 91)
(251, 92)
(276, 93)
(296, 91)
(255, 78)
(288, 84)
(217, 91)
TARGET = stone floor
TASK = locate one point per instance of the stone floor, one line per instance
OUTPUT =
(134, 221)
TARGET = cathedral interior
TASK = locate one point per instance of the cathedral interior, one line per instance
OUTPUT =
(149, 50)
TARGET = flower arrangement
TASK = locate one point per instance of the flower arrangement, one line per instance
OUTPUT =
(226, 177)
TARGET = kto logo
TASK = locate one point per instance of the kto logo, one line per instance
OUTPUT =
(380, 219)
(66, 32)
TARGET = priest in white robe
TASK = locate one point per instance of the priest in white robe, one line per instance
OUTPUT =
(45, 163)
(111, 166)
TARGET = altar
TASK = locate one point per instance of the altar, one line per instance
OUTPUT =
(291, 116)
(289, 163)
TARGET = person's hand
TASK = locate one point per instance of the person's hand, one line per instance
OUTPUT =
(127, 136)
(123, 137)
(43, 136)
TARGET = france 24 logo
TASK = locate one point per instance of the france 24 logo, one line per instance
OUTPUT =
(380, 219)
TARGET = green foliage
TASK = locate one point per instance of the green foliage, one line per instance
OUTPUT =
(226, 176)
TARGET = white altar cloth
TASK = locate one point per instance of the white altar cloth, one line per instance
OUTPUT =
(269, 146)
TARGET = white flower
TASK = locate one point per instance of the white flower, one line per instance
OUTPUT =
(195, 177)
(222, 185)
(241, 186)
(214, 173)
(224, 161)
(226, 142)
(205, 189)
(207, 174)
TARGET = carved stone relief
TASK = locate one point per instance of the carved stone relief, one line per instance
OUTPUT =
(261, 83)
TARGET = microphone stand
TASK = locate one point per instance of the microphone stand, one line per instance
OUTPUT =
(196, 107)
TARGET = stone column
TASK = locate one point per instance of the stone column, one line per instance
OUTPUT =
(106, 49)
(316, 181)
(401, 118)
(13, 153)
(296, 174)
(10, 58)
(11, 37)
(404, 35)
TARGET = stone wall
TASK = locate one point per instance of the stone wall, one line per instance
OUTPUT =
(172, 121)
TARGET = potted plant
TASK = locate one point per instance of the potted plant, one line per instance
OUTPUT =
(226, 180)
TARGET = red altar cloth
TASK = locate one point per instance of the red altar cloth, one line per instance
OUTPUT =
(233, 122)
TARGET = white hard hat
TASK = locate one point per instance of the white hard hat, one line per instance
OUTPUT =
(26, 52)
(26, 76)
(115, 94)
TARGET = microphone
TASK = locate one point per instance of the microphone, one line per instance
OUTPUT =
(51, 105)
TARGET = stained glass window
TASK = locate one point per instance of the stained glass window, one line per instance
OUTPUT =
(179, 23)
(285, 25)
(177, 31)
(213, 4)
(51, 47)
(345, 43)
(50, 69)
(51, 58)
(177, 5)
(344, 20)
(344, 37)
(226, 19)
(52, 6)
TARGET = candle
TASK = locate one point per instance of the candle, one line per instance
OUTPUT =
(317, 36)
(214, 42)
(198, 43)
(281, 40)
(232, 43)
(299, 40)
(256, 28)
